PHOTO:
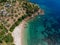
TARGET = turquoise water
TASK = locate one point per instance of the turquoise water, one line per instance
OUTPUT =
(45, 30)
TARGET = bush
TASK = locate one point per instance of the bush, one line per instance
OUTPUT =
(17, 23)
(2, 33)
(8, 38)
(3, 0)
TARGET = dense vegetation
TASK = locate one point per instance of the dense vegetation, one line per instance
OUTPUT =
(7, 0)
(24, 0)
(8, 38)
(30, 8)
(17, 23)
(5, 36)
(3, 0)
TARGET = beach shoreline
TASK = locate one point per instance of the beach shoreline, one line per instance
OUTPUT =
(19, 31)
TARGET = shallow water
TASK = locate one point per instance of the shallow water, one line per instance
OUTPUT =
(45, 30)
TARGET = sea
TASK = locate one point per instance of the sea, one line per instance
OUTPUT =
(45, 29)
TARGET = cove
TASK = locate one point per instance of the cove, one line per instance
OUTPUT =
(45, 30)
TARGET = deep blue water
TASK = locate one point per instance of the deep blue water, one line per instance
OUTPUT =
(46, 29)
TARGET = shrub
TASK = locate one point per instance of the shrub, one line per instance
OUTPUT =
(8, 38)
(3, 1)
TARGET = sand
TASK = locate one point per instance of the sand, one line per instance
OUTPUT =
(18, 33)
(17, 36)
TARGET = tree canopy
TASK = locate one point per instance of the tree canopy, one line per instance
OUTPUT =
(3, 0)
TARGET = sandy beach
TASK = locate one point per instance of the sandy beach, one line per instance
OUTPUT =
(18, 33)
